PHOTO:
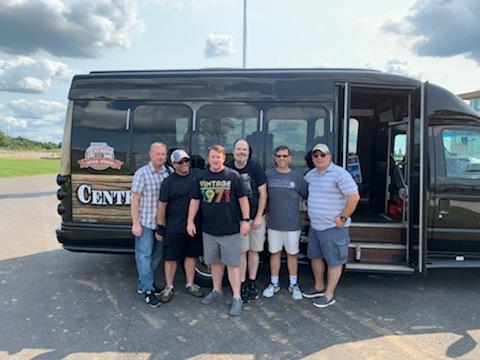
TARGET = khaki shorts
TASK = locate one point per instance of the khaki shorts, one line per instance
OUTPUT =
(289, 240)
(255, 238)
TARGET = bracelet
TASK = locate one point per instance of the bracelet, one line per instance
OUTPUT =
(160, 230)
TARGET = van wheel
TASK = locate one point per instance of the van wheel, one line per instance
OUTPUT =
(203, 275)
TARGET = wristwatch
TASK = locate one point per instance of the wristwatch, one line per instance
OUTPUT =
(246, 219)
(343, 218)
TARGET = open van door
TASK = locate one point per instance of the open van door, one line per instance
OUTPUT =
(417, 173)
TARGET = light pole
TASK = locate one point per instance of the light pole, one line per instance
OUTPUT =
(244, 62)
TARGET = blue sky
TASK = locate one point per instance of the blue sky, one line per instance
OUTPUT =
(44, 42)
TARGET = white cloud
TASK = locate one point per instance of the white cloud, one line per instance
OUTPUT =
(72, 28)
(399, 67)
(440, 28)
(181, 4)
(36, 109)
(27, 75)
(219, 45)
(12, 122)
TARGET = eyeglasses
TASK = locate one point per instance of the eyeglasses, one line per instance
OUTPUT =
(319, 154)
(183, 161)
(282, 156)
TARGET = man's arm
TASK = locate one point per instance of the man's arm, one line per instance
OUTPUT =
(135, 212)
(350, 206)
(245, 209)
(192, 212)
(262, 203)
(161, 210)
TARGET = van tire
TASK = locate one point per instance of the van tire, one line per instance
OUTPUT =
(203, 275)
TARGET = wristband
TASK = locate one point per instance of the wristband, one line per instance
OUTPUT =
(160, 230)
(246, 219)
(343, 218)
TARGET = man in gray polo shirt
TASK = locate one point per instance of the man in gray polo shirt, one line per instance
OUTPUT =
(332, 198)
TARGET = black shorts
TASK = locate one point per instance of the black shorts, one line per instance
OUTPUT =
(179, 246)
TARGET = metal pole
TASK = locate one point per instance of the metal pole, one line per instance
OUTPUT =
(244, 63)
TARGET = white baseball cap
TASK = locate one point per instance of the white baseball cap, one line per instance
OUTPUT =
(178, 155)
(322, 148)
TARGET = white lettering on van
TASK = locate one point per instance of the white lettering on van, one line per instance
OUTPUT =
(87, 195)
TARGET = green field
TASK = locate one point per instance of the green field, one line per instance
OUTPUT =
(26, 167)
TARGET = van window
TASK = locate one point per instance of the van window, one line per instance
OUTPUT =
(298, 127)
(223, 124)
(164, 123)
(399, 147)
(462, 153)
(100, 122)
(353, 136)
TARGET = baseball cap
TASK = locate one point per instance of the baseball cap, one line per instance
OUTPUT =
(322, 148)
(178, 155)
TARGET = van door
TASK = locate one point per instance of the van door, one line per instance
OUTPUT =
(417, 174)
(456, 220)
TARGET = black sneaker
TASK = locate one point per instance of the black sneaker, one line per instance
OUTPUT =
(151, 300)
(244, 293)
(312, 293)
(253, 292)
(156, 290)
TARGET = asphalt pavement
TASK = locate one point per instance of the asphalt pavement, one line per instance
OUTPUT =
(57, 304)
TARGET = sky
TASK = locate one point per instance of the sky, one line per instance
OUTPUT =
(43, 43)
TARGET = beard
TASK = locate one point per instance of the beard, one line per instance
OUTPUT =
(241, 158)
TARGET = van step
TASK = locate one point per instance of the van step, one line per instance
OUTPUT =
(380, 253)
(451, 263)
(379, 268)
(377, 234)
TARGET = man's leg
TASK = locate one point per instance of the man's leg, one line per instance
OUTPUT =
(333, 277)
(189, 265)
(170, 270)
(234, 279)
(217, 276)
(275, 262)
(292, 264)
(253, 261)
(318, 268)
(243, 266)
(157, 254)
(143, 258)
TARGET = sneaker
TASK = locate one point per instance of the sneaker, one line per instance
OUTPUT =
(295, 291)
(156, 290)
(271, 290)
(236, 308)
(253, 293)
(244, 293)
(323, 302)
(167, 294)
(194, 290)
(211, 297)
(311, 293)
(151, 300)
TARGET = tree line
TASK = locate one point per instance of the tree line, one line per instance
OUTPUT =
(21, 143)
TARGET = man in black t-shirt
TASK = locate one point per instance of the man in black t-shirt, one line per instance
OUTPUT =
(254, 181)
(220, 194)
(172, 221)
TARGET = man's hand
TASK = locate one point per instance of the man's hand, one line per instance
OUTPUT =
(257, 222)
(338, 222)
(137, 230)
(244, 228)
(158, 237)
(191, 229)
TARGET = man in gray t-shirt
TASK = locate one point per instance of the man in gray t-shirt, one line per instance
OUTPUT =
(285, 189)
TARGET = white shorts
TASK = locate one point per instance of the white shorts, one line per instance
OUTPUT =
(289, 240)
(255, 239)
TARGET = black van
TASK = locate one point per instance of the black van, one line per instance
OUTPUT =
(412, 147)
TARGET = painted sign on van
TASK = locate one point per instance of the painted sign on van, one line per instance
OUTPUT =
(100, 156)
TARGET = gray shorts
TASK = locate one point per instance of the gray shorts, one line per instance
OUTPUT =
(330, 244)
(225, 249)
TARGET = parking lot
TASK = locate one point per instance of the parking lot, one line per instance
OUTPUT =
(57, 304)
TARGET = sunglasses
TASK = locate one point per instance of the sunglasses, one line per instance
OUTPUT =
(319, 154)
(183, 161)
(282, 156)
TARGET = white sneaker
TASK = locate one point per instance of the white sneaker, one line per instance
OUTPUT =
(295, 291)
(271, 290)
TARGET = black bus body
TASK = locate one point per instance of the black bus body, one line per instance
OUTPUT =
(412, 147)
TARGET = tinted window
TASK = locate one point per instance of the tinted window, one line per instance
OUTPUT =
(223, 124)
(96, 123)
(353, 136)
(462, 153)
(164, 123)
(298, 127)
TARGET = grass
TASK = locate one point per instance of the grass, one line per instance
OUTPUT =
(10, 167)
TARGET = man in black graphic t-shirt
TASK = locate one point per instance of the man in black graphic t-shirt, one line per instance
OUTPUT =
(172, 221)
(220, 194)
(254, 181)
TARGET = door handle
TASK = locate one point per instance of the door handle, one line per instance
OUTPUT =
(443, 205)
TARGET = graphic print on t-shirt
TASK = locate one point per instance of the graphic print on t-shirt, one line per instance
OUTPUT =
(215, 190)
(247, 183)
(281, 183)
